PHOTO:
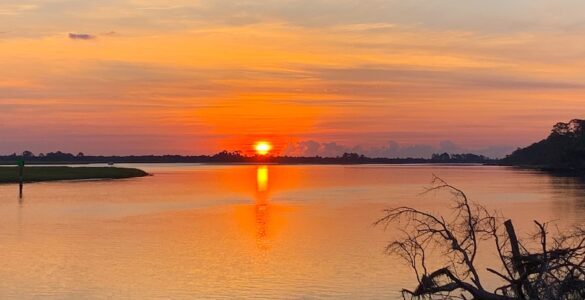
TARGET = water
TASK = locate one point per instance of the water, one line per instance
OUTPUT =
(262, 232)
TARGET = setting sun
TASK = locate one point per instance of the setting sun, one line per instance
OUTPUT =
(262, 147)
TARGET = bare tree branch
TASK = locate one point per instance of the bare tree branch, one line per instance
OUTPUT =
(553, 270)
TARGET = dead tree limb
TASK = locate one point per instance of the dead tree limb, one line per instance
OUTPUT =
(555, 269)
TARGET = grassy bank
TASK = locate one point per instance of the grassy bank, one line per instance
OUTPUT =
(37, 174)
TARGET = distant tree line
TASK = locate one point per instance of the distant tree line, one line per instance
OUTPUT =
(460, 158)
(563, 149)
(236, 157)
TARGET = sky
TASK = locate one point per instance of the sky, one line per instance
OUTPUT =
(314, 77)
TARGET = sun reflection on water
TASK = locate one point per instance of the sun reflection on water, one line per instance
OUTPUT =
(262, 178)
(261, 219)
(262, 208)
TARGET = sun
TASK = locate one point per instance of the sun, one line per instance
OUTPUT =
(262, 147)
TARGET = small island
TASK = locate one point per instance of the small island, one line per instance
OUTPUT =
(54, 173)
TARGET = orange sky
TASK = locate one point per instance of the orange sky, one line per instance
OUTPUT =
(389, 78)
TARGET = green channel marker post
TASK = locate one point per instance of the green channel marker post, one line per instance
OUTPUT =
(20, 163)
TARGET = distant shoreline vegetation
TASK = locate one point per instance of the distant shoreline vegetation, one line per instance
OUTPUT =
(562, 151)
(237, 157)
(54, 173)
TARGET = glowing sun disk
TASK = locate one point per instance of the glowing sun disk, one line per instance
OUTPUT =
(262, 148)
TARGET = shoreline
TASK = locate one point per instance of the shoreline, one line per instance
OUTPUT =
(34, 174)
(69, 163)
(555, 170)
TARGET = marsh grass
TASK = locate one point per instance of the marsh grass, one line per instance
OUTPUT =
(50, 173)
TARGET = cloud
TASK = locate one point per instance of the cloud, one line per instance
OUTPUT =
(392, 150)
(367, 27)
(81, 36)
(504, 16)
(469, 77)
(16, 9)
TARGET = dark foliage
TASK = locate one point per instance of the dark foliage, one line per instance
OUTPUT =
(564, 148)
(460, 158)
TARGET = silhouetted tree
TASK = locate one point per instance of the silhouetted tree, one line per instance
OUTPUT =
(573, 128)
(564, 148)
(27, 154)
(444, 157)
(551, 268)
(59, 156)
(226, 156)
(353, 158)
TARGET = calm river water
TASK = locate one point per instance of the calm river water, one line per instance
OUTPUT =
(246, 231)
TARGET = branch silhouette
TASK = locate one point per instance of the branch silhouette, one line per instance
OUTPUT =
(545, 266)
